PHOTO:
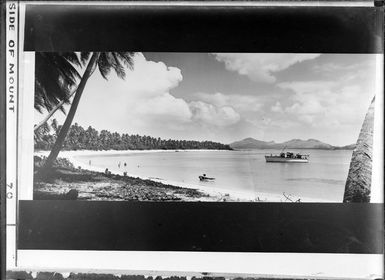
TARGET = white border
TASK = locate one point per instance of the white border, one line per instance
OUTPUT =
(352, 266)
(26, 114)
(12, 53)
(11, 115)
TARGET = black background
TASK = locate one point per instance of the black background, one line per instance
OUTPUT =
(182, 226)
(204, 29)
(194, 226)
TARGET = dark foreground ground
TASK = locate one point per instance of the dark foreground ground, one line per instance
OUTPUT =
(64, 182)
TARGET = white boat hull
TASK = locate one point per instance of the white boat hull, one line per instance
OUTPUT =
(282, 159)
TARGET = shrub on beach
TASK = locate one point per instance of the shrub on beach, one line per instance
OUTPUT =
(59, 162)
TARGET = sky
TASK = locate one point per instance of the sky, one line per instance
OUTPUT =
(227, 97)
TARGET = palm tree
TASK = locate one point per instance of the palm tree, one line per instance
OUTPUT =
(358, 183)
(105, 62)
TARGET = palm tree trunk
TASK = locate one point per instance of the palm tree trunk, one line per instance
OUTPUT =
(358, 183)
(71, 114)
(57, 107)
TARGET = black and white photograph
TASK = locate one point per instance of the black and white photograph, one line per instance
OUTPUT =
(249, 127)
(233, 139)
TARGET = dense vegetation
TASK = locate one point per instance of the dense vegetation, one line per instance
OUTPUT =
(79, 138)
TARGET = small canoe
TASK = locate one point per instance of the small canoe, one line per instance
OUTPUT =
(204, 178)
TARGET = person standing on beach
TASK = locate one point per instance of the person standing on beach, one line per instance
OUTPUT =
(89, 162)
(119, 164)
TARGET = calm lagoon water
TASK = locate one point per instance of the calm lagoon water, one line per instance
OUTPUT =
(322, 178)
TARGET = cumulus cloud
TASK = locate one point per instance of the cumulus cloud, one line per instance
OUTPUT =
(154, 102)
(166, 107)
(210, 114)
(149, 78)
(325, 103)
(260, 67)
(144, 100)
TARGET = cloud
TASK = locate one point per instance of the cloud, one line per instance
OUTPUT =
(284, 124)
(149, 78)
(308, 86)
(332, 68)
(277, 107)
(143, 102)
(326, 103)
(165, 107)
(261, 67)
(238, 102)
(211, 114)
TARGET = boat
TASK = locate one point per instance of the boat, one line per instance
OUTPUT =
(205, 178)
(287, 157)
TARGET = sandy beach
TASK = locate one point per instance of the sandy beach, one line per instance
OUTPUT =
(66, 182)
(208, 194)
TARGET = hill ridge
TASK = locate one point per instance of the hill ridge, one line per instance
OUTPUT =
(296, 143)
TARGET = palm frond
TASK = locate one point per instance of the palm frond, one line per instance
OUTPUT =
(118, 61)
(118, 67)
(69, 74)
(84, 56)
(103, 65)
(71, 57)
(127, 58)
(55, 77)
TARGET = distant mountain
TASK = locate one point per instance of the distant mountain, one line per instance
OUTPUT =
(306, 144)
(251, 143)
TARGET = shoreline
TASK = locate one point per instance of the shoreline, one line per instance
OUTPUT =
(213, 193)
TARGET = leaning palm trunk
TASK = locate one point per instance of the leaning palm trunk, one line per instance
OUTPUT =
(358, 183)
(71, 114)
(53, 111)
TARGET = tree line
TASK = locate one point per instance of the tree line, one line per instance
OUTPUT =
(79, 138)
